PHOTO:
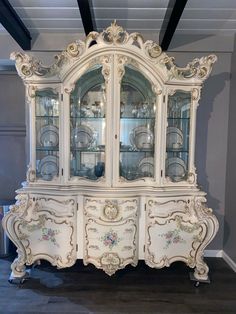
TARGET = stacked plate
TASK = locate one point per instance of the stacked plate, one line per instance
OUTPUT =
(48, 167)
(82, 136)
(141, 138)
(48, 136)
(174, 137)
(175, 168)
(146, 166)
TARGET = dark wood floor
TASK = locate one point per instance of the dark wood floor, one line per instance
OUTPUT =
(83, 289)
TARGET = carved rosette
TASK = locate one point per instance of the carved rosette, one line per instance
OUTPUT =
(110, 263)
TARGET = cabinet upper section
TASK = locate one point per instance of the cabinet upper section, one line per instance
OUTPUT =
(112, 111)
(114, 38)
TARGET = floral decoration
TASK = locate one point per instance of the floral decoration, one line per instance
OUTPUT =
(49, 234)
(172, 237)
(110, 239)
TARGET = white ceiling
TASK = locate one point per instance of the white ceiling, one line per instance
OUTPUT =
(55, 16)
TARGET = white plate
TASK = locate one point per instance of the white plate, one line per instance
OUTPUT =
(141, 137)
(82, 136)
(146, 166)
(175, 168)
(48, 167)
(174, 137)
(48, 135)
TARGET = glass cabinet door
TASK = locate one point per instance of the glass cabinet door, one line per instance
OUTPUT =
(87, 125)
(177, 136)
(47, 134)
(137, 126)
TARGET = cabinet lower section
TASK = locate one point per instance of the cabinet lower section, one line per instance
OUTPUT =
(110, 231)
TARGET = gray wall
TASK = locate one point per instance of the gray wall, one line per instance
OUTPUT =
(230, 200)
(12, 134)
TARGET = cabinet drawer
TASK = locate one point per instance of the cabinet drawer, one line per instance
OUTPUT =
(110, 209)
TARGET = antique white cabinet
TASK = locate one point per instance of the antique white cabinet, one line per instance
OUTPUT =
(111, 177)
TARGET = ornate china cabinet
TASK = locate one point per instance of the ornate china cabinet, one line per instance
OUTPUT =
(111, 176)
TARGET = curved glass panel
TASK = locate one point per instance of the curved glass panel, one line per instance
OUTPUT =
(47, 134)
(177, 135)
(137, 126)
(87, 125)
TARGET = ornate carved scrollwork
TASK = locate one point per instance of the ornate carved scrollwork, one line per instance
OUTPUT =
(198, 68)
(110, 262)
(115, 35)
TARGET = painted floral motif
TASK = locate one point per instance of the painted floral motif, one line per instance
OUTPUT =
(172, 237)
(49, 234)
(110, 239)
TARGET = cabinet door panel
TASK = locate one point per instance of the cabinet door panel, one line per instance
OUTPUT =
(47, 133)
(48, 230)
(137, 126)
(173, 233)
(110, 233)
(178, 136)
(88, 109)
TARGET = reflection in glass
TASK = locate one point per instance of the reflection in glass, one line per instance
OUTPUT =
(47, 134)
(177, 135)
(137, 125)
(87, 125)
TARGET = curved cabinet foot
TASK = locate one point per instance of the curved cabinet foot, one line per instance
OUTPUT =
(201, 271)
(18, 268)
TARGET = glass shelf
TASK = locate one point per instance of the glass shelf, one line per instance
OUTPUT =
(44, 149)
(174, 118)
(138, 118)
(91, 150)
(87, 118)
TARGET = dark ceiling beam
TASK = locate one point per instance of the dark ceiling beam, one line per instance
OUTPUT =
(14, 26)
(170, 22)
(87, 16)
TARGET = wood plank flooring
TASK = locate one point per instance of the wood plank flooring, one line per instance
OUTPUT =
(84, 289)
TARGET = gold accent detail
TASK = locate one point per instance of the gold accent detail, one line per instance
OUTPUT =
(110, 210)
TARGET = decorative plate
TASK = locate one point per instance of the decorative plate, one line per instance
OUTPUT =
(175, 168)
(48, 136)
(82, 136)
(146, 166)
(48, 167)
(174, 137)
(141, 137)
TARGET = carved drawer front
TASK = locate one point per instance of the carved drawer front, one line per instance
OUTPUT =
(110, 233)
(47, 230)
(173, 232)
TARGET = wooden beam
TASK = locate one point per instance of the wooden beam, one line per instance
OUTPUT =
(13, 24)
(173, 14)
(87, 16)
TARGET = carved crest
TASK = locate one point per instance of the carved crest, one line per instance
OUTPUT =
(114, 36)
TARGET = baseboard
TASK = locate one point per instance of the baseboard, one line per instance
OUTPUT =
(213, 253)
(229, 261)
